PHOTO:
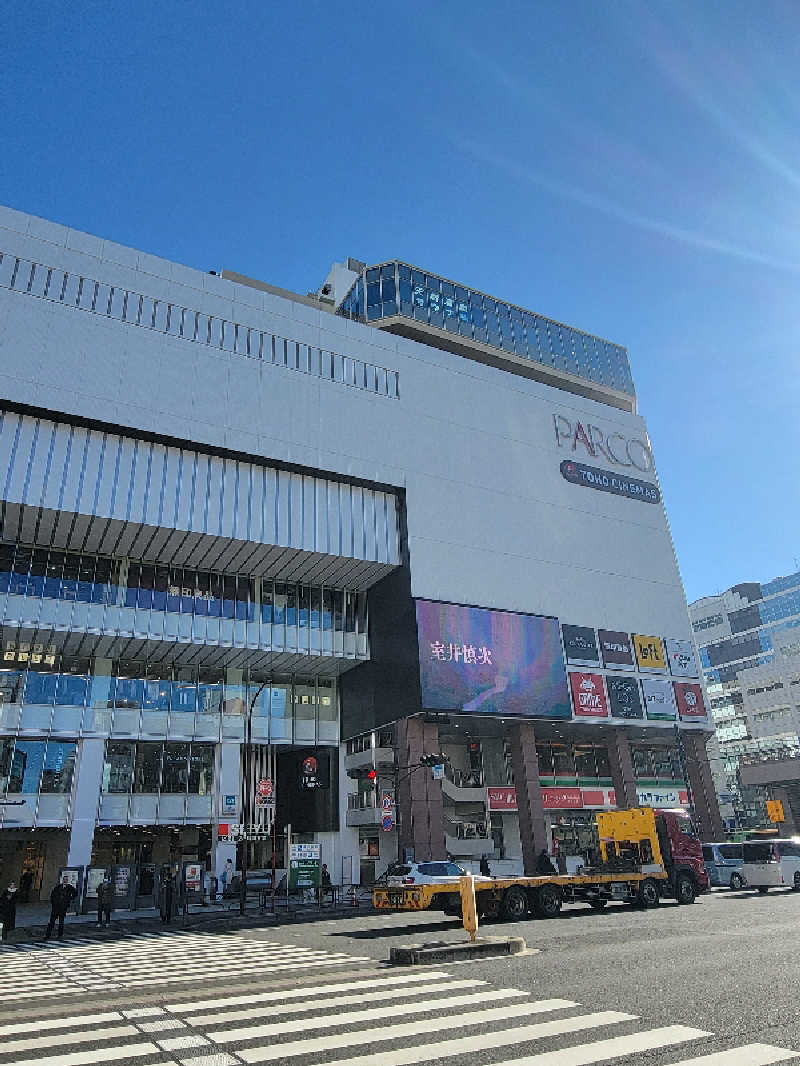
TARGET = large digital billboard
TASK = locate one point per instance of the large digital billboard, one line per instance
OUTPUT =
(474, 660)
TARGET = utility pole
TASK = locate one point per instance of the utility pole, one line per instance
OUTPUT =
(247, 790)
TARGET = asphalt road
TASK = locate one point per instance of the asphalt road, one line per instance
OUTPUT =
(728, 965)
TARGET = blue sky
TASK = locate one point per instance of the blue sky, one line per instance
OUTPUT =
(630, 168)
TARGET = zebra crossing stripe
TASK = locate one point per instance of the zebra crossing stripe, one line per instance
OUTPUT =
(749, 1055)
(328, 1021)
(613, 1048)
(305, 992)
(89, 1056)
(382, 995)
(33, 1043)
(60, 1023)
(435, 1025)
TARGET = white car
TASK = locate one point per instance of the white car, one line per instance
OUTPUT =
(401, 874)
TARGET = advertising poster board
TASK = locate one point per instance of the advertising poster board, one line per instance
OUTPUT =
(689, 697)
(479, 661)
(588, 695)
(682, 658)
(624, 697)
(616, 649)
(304, 866)
(580, 645)
(659, 699)
(193, 876)
(649, 652)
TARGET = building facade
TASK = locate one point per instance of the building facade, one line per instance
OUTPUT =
(256, 538)
(749, 646)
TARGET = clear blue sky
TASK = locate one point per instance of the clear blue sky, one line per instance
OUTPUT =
(631, 168)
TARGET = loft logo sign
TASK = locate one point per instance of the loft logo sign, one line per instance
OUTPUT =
(616, 448)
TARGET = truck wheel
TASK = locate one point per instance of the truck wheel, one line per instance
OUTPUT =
(547, 902)
(515, 904)
(649, 896)
(490, 910)
(737, 882)
(763, 889)
(684, 889)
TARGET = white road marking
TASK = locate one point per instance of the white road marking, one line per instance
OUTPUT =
(748, 1055)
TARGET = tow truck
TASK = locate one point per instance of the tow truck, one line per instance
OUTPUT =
(640, 856)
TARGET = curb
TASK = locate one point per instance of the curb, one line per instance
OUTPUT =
(422, 954)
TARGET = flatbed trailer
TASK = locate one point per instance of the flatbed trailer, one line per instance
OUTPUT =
(641, 856)
(515, 897)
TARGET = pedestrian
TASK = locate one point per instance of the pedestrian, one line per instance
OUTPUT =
(8, 909)
(105, 900)
(326, 888)
(544, 864)
(61, 898)
(226, 879)
(167, 900)
(25, 883)
(484, 866)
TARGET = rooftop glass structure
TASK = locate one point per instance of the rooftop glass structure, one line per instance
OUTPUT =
(415, 303)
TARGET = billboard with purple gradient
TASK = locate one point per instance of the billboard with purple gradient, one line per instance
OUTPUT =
(474, 660)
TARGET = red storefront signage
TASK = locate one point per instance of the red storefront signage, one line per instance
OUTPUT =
(562, 798)
(690, 700)
(502, 799)
(588, 695)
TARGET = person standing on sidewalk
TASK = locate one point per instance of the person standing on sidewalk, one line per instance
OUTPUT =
(105, 900)
(167, 907)
(8, 909)
(60, 902)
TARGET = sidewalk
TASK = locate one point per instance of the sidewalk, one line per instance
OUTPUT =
(32, 918)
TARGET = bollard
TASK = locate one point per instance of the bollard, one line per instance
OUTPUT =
(469, 912)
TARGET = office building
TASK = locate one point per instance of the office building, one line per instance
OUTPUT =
(749, 646)
(391, 518)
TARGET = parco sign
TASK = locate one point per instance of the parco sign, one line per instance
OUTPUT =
(615, 447)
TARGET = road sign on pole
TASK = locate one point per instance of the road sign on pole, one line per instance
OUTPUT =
(264, 787)
(387, 823)
(438, 771)
(387, 802)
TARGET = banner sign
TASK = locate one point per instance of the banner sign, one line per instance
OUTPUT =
(662, 797)
(580, 646)
(588, 695)
(562, 799)
(624, 697)
(682, 659)
(690, 700)
(479, 661)
(592, 477)
(616, 648)
(659, 699)
(649, 652)
(501, 799)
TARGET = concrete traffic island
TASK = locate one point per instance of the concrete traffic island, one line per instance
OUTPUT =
(463, 950)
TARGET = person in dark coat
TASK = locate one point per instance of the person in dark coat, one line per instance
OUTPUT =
(484, 867)
(544, 864)
(105, 900)
(167, 896)
(25, 884)
(60, 902)
(8, 909)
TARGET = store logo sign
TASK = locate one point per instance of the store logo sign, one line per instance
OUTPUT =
(616, 648)
(588, 695)
(613, 447)
(593, 477)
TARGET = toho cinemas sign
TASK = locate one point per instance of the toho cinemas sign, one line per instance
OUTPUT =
(590, 440)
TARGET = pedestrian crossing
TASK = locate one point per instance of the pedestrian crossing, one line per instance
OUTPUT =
(421, 1017)
(29, 972)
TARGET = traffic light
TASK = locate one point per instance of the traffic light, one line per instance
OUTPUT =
(372, 774)
(436, 759)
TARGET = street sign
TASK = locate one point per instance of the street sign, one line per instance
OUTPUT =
(387, 823)
(438, 771)
(264, 787)
(233, 832)
(387, 802)
(304, 866)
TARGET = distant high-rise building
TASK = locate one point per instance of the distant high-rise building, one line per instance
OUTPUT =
(749, 643)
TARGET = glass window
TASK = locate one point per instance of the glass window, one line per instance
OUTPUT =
(175, 768)
(281, 696)
(305, 701)
(38, 573)
(147, 768)
(562, 761)
(201, 769)
(266, 600)
(105, 585)
(258, 696)
(326, 700)
(40, 687)
(184, 690)
(291, 605)
(6, 760)
(26, 766)
(601, 761)
(19, 575)
(327, 607)
(584, 761)
(129, 686)
(303, 604)
(228, 596)
(6, 565)
(157, 689)
(69, 577)
(118, 768)
(86, 572)
(160, 588)
(132, 588)
(10, 686)
(209, 691)
(73, 684)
